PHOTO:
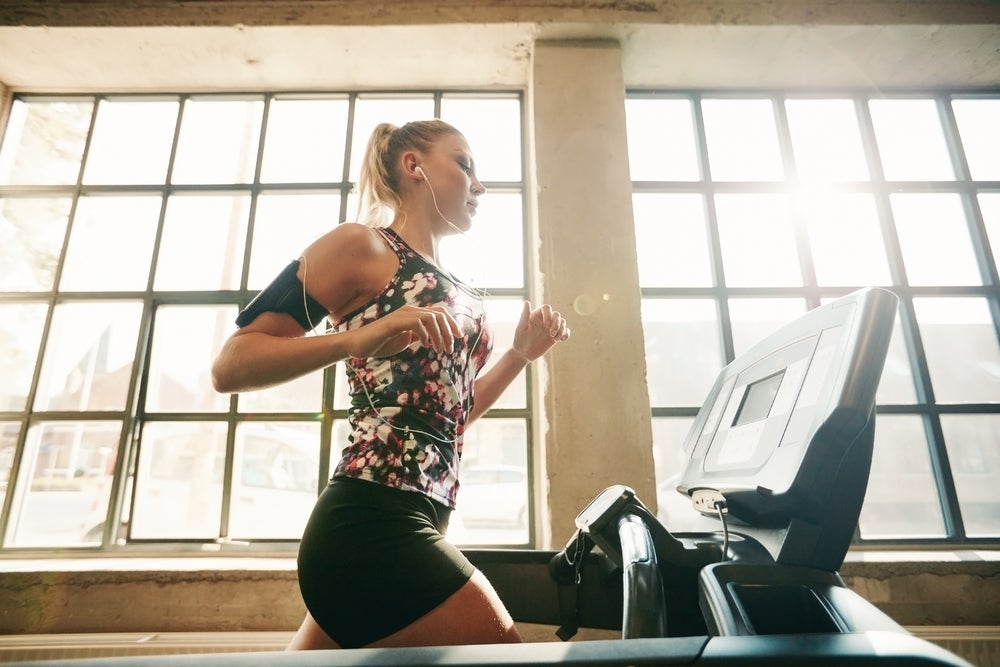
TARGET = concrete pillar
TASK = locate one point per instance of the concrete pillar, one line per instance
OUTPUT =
(598, 429)
(5, 96)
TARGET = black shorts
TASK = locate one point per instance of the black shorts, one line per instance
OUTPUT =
(374, 559)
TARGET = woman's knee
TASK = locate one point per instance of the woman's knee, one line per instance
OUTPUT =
(310, 636)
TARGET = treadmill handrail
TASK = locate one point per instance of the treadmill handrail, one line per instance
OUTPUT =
(643, 608)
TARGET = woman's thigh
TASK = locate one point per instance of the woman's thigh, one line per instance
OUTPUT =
(373, 561)
(472, 615)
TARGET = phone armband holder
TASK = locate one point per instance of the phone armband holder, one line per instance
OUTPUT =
(286, 294)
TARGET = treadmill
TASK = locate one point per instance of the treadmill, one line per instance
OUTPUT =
(778, 456)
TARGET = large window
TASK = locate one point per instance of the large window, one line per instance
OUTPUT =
(751, 209)
(132, 229)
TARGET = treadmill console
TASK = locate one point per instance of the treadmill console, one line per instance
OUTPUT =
(785, 434)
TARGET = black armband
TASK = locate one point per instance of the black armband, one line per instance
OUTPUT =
(285, 294)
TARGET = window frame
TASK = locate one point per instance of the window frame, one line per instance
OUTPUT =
(134, 417)
(925, 407)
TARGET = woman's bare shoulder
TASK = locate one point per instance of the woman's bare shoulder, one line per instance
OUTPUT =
(347, 264)
(348, 239)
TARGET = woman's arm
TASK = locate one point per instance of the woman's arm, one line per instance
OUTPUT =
(273, 348)
(344, 269)
(537, 331)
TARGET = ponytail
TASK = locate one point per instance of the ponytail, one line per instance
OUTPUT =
(378, 184)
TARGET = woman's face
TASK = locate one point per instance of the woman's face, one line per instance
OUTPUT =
(450, 172)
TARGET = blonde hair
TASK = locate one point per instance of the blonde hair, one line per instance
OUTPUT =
(378, 184)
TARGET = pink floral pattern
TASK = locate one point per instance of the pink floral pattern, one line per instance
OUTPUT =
(409, 411)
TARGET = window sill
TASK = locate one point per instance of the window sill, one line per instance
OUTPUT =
(260, 594)
(192, 562)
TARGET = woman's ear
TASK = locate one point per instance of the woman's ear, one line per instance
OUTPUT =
(411, 165)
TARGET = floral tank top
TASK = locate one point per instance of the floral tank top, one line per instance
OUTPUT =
(409, 412)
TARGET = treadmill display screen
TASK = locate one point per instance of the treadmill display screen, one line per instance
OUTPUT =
(757, 399)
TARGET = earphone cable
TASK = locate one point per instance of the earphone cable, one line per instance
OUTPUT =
(434, 199)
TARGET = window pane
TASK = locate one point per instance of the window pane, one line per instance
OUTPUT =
(341, 395)
(303, 394)
(492, 503)
(218, 141)
(846, 240)
(661, 144)
(911, 140)
(111, 243)
(960, 342)
(902, 499)
(742, 140)
(896, 385)
(491, 253)
(341, 435)
(131, 142)
(89, 356)
(44, 142)
(369, 111)
(973, 443)
(351, 212)
(493, 130)
(20, 333)
(9, 433)
(178, 486)
(503, 316)
(989, 205)
(673, 509)
(185, 341)
(672, 240)
(285, 225)
(305, 141)
(934, 238)
(979, 127)
(683, 350)
(758, 241)
(202, 243)
(755, 319)
(274, 479)
(826, 140)
(32, 232)
(68, 477)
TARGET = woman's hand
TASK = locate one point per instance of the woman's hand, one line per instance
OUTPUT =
(537, 331)
(434, 327)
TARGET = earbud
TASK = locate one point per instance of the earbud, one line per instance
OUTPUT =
(421, 170)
